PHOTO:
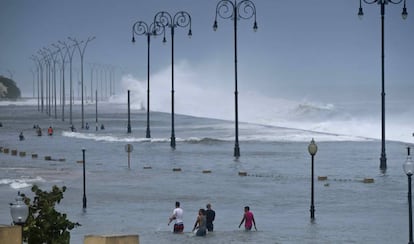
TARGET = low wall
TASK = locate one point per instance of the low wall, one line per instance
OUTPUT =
(111, 239)
(11, 234)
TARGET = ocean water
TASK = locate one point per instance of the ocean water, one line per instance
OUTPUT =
(139, 199)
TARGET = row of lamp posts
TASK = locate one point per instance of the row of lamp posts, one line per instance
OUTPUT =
(244, 9)
(46, 61)
(226, 9)
(162, 21)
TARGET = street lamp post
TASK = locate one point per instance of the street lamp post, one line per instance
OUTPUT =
(84, 178)
(382, 3)
(129, 114)
(244, 9)
(408, 167)
(92, 66)
(70, 55)
(96, 109)
(312, 148)
(41, 61)
(63, 56)
(53, 55)
(81, 53)
(39, 70)
(33, 79)
(47, 79)
(180, 19)
(141, 28)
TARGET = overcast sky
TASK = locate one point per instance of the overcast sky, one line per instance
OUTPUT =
(317, 49)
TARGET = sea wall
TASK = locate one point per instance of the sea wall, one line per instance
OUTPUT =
(111, 239)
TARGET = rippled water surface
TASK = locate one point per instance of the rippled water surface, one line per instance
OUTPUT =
(139, 199)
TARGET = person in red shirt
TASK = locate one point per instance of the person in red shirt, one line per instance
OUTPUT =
(50, 131)
(248, 219)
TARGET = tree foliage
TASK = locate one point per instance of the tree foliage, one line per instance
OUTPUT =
(45, 224)
(8, 89)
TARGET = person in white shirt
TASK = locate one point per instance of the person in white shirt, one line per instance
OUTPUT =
(178, 217)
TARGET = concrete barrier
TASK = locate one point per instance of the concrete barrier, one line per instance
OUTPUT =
(368, 180)
(111, 239)
(322, 178)
(11, 234)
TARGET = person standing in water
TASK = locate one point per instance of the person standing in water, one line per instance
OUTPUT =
(50, 131)
(210, 216)
(21, 136)
(248, 218)
(200, 223)
(178, 217)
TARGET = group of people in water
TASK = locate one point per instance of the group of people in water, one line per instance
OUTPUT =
(50, 130)
(38, 132)
(205, 219)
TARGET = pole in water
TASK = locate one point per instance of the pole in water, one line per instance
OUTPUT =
(129, 148)
(129, 114)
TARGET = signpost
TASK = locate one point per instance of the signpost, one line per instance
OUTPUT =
(129, 148)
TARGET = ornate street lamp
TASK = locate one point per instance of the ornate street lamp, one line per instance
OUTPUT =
(226, 9)
(19, 212)
(70, 55)
(39, 70)
(141, 28)
(408, 167)
(180, 19)
(382, 3)
(81, 53)
(312, 148)
(63, 55)
(53, 55)
(47, 62)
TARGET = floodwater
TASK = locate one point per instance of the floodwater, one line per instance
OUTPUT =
(139, 199)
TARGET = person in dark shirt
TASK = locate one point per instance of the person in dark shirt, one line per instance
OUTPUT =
(210, 216)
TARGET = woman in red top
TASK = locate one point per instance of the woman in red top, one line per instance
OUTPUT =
(248, 219)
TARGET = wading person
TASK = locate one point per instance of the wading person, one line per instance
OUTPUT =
(200, 223)
(248, 219)
(178, 217)
(210, 216)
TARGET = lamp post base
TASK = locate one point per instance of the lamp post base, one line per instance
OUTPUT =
(172, 144)
(236, 151)
(84, 201)
(383, 163)
(312, 213)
